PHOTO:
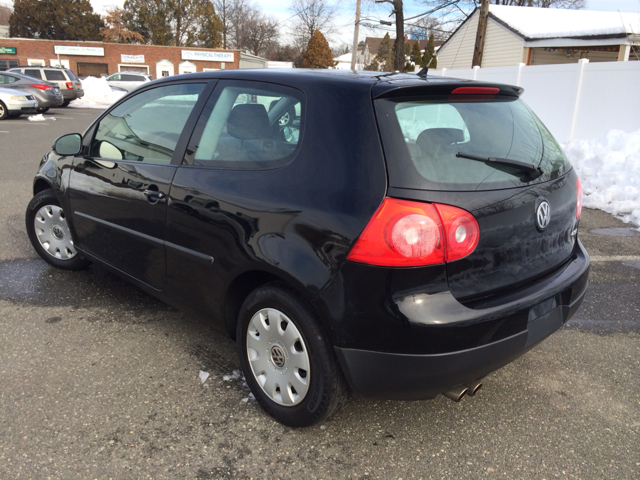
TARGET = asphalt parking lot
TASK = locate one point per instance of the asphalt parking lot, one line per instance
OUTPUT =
(100, 380)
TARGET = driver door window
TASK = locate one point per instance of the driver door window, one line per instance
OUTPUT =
(146, 127)
(248, 125)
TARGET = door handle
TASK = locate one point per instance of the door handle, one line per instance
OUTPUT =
(154, 195)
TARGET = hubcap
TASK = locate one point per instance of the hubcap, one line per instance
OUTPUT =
(52, 232)
(278, 357)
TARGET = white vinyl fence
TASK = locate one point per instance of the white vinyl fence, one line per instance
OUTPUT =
(583, 100)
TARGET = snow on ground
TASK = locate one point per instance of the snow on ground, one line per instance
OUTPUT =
(609, 170)
(39, 118)
(97, 94)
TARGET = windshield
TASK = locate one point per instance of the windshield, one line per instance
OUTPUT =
(422, 137)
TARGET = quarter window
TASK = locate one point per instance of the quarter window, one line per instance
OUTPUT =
(4, 79)
(146, 127)
(248, 125)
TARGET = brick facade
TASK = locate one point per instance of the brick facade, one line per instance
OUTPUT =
(27, 49)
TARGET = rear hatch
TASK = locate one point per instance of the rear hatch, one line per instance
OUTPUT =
(480, 148)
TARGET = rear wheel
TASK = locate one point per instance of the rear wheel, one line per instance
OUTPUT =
(65, 103)
(4, 113)
(49, 232)
(287, 358)
(42, 110)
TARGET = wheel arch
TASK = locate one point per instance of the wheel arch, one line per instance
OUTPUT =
(244, 284)
(40, 185)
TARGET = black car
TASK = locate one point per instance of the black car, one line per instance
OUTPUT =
(398, 235)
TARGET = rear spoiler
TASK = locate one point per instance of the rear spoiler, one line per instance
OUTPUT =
(470, 90)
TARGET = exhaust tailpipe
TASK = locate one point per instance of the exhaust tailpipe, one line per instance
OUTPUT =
(456, 393)
(473, 387)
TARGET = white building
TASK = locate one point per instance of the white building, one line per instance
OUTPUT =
(541, 36)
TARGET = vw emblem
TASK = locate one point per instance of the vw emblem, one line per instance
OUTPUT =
(277, 356)
(543, 215)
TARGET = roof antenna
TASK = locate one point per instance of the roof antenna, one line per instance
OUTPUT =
(423, 73)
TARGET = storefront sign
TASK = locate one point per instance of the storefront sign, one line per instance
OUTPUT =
(207, 56)
(89, 51)
(8, 50)
(131, 58)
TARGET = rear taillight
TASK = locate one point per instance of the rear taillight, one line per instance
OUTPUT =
(41, 87)
(462, 231)
(69, 85)
(578, 199)
(404, 233)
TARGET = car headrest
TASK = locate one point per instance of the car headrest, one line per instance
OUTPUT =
(437, 137)
(249, 121)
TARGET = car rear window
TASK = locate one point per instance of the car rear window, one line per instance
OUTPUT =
(422, 137)
(72, 76)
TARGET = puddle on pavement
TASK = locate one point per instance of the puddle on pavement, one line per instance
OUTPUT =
(616, 232)
(34, 282)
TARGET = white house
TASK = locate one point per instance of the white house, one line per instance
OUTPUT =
(537, 36)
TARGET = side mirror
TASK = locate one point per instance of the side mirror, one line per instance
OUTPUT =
(67, 145)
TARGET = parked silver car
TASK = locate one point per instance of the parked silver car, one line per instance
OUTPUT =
(46, 93)
(65, 79)
(128, 80)
(14, 103)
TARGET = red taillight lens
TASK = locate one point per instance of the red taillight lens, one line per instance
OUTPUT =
(462, 231)
(404, 233)
(69, 86)
(42, 87)
(578, 199)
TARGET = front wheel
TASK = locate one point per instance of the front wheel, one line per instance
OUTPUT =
(4, 113)
(65, 103)
(287, 357)
(49, 232)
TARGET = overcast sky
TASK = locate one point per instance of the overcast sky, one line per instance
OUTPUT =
(279, 9)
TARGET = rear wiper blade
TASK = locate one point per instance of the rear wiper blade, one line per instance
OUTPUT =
(532, 171)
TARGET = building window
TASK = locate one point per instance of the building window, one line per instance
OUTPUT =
(133, 68)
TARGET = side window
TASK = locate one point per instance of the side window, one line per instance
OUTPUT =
(55, 75)
(132, 78)
(248, 125)
(7, 79)
(115, 78)
(146, 127)
(33, 73)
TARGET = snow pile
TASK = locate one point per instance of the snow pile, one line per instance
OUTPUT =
(609, 170)
(39, 118)
(97, 94)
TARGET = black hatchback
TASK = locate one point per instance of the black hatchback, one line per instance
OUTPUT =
(399, 236)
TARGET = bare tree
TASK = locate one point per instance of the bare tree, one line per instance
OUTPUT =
(311, 15)
(260, 33)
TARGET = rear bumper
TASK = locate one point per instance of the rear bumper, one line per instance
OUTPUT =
(411, 376)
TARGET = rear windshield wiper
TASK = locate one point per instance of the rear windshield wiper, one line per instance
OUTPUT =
(532, 171)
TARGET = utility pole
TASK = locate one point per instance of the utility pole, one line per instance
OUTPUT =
(481, 35)
(399, 45)
(354, 50)
(398, 62)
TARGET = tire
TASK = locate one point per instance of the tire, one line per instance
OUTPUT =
(315, 386)
(42, 110)
(49, 233)
(65, 104)
(4, 113)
